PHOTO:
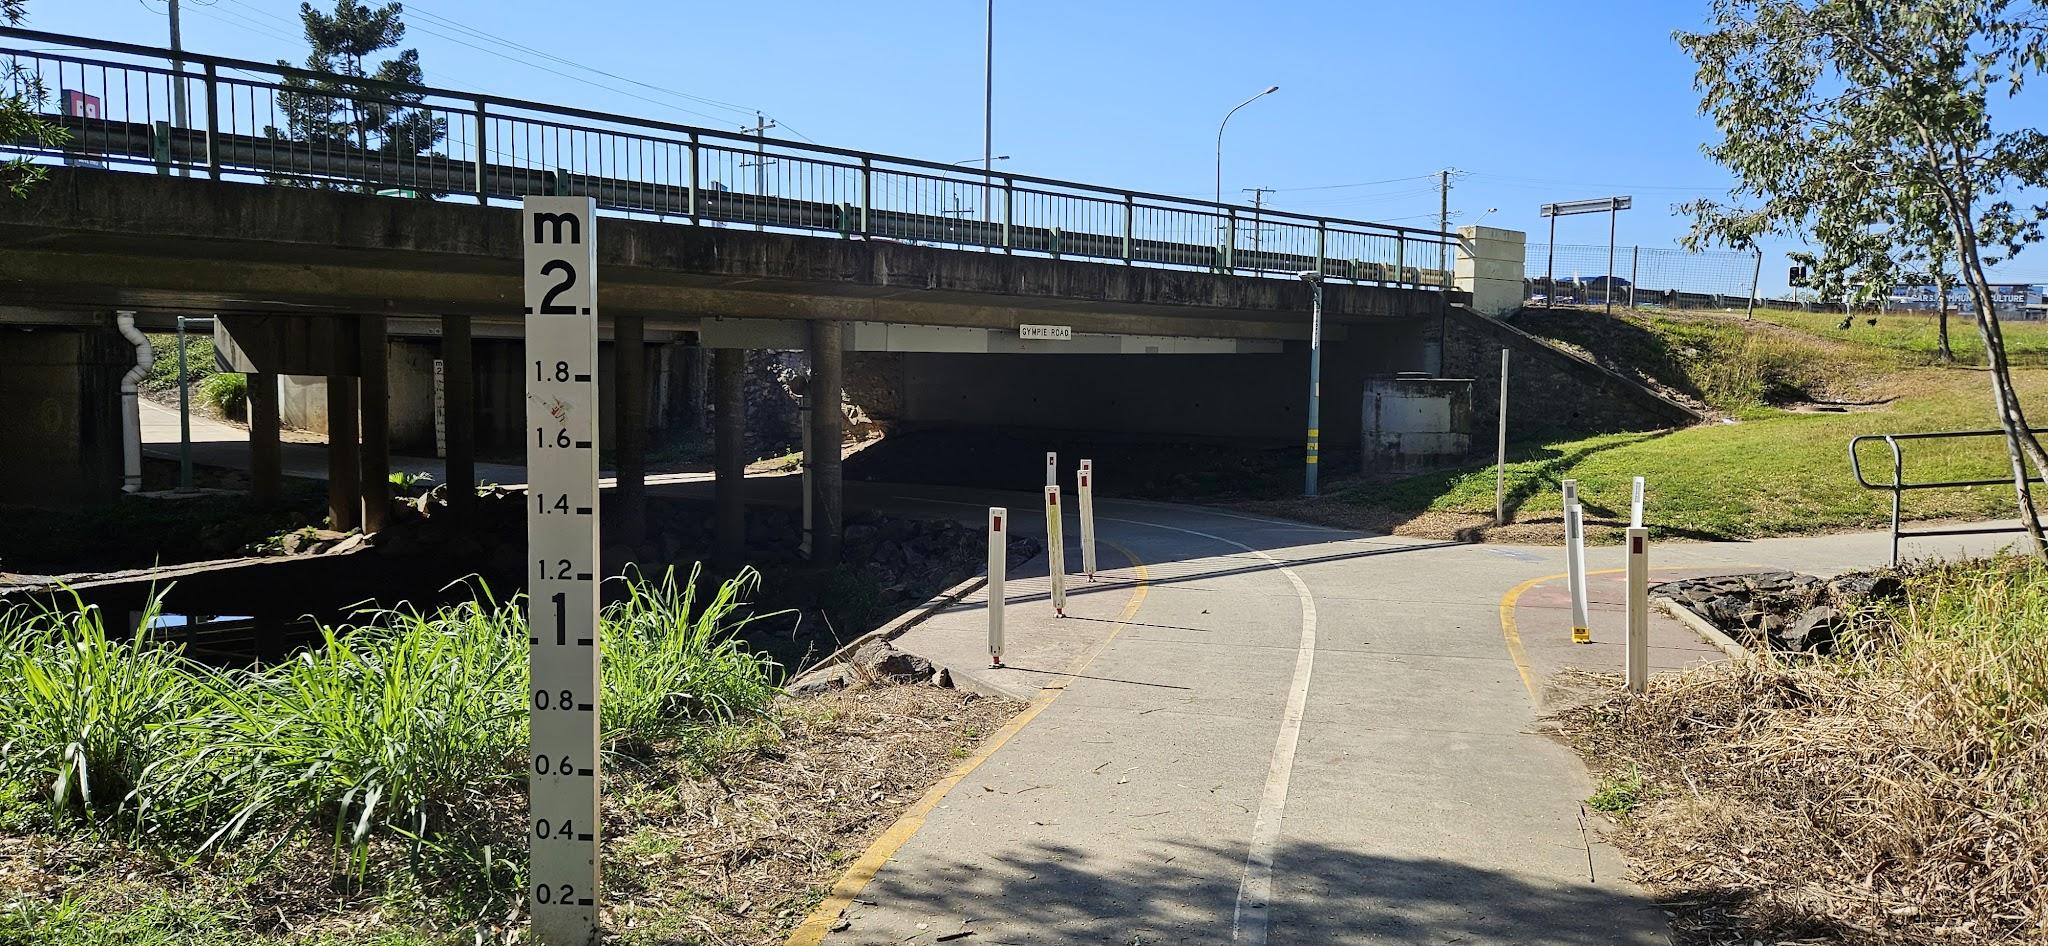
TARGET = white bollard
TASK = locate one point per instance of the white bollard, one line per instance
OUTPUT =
(1638, 609)
(1052, 468)
(998, 568)
(1635, 509)
(1055, 551)
(1086, 478)
(1575, 562)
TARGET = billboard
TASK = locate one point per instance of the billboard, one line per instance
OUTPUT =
(2010, 300)
(82, 106)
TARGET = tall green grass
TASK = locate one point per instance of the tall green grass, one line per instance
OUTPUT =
(401, 728)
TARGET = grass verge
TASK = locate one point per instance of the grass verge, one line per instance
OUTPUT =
(1760, 471)
(1896, 792)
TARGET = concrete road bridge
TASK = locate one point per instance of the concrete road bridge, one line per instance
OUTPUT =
(343, 270)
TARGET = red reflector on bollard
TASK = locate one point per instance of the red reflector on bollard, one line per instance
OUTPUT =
(1636, 546)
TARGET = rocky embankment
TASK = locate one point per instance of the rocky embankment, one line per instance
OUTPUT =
(1783, 611)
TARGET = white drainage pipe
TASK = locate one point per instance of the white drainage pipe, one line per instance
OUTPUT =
(131, 412)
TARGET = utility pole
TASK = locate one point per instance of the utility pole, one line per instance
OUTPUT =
(179, 118)
(1258, 204)
(1443, 216)
(760, 130)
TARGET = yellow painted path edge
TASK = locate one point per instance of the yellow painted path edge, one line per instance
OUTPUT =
(815, 926)
(1513, 635)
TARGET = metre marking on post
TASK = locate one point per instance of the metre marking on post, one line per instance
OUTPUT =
(561, 536)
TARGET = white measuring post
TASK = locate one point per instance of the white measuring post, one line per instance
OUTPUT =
(1575, 562)
(1055, 551)
(1638, 609)
(998, 569)
(560, 237)
(1052, 468)
(1635, 506)
(1086, 484)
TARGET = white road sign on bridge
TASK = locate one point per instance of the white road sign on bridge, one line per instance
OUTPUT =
(561, 580)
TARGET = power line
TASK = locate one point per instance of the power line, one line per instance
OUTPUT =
(514, 44)
(1332, 187)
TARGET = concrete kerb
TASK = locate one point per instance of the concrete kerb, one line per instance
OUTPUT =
(894, 629)
(1706, 630)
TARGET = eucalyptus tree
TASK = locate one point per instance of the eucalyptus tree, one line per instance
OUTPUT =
(1865, 125)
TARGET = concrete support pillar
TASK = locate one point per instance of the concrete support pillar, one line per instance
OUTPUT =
(729, 445)
(375, 392)
(344, 486)
(828, 359)
(266, 450)
(629, 359)
(458, 399)
(697, 388)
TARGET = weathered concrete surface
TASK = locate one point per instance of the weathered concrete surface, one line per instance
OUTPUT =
(60, 431)
(1550, 390)
(88, 238)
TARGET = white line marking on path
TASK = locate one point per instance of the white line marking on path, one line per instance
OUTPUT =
(1251, 918)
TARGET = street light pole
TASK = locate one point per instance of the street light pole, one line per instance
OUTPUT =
(988, 107)
(1219, 156)
(1315, 382)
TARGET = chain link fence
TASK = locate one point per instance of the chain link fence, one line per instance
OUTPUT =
(1643, 276)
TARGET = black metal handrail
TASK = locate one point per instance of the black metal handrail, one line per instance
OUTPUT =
(1898, 484)
(497, 145)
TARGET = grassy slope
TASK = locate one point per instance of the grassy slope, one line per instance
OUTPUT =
(1763, 471)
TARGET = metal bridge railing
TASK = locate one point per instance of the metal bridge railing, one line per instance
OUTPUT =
(130, 107)
(1898, 485)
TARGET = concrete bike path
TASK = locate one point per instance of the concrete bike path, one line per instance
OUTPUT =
(1269, 732)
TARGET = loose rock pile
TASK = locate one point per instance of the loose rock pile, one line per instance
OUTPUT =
(1780, 610)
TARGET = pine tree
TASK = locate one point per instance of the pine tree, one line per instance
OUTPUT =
(339, 113)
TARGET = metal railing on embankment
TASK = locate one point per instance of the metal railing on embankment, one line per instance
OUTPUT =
(1898, 485)
(134, 107)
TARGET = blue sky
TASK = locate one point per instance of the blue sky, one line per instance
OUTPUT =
(1535, 102)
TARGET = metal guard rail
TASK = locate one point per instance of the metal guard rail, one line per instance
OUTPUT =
(492, 148)
(1898, 485)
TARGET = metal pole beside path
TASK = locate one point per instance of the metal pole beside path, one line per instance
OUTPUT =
(1056, 551)
(1052, 468)
(1087, 495)
(1635, 506)
(1638, 609)
(1500, 450)
(1315, 384)
(998, 568)
(184, 393)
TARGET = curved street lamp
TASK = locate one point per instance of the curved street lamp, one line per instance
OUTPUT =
(1219, 136)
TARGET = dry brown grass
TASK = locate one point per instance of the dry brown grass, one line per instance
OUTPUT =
(742, 857)
(1893, 794)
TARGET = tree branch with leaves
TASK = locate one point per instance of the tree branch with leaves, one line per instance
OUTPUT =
(1866, 126)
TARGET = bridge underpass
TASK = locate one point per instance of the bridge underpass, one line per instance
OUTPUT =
(307, 281)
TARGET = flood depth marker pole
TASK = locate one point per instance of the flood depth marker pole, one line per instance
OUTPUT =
(1052, 468)
(1055, 551)
(1638, 609)
(998, 569)
(560, 236)
(1086, 476)
(1635, 506)
(1575, 562)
